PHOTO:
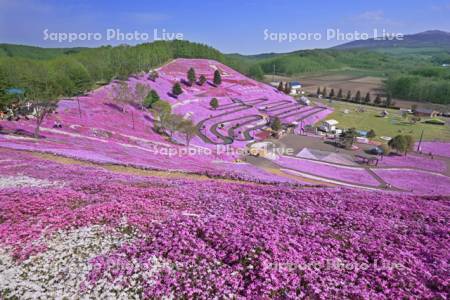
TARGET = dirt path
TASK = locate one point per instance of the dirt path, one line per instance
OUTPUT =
(134, 170)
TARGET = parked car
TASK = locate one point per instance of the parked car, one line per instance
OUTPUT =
(376, 151)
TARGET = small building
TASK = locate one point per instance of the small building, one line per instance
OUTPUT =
(425, 112)
(329, 125)
(446, 65)
(274, 83)
(296, 87)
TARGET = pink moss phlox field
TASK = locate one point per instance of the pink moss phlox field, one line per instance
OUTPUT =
(436, 148)
(416, 181)
(348, 174)
(226, 239)
(97, 129)
(413, 161)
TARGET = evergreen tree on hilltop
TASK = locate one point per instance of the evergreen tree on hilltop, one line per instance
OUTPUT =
(349, 96)
(367, 98)
(202, 80)
(217, 77)
(377, 100)
(388, 102)
(331, 93)
(358, 97)
(287, 88)
(214, 103)
(176, 89)
(191, 76)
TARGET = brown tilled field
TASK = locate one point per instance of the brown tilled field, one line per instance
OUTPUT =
(351, 82)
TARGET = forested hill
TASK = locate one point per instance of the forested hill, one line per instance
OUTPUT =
(413, 74)
(68, 72)
(427, 39)
(11, 50)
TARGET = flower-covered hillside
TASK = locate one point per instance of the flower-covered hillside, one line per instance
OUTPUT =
(123, 235)
(102, 127)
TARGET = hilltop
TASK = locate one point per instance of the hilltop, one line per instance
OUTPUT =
(97, 128)
(426, 39)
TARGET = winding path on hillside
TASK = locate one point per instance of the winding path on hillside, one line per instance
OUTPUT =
(277, 108)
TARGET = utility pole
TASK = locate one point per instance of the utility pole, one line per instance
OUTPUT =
(273, 74)
(420, 141)
(79, 108)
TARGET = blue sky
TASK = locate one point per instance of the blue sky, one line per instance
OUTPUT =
(228, 25)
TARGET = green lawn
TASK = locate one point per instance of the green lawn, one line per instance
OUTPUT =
(391, 126)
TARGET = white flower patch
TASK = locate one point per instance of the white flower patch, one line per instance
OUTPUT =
(59, 271)
(25, 181)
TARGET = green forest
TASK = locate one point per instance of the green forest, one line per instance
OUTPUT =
(68, 72)
(413, 74)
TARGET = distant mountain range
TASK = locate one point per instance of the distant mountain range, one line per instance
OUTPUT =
(427, 39)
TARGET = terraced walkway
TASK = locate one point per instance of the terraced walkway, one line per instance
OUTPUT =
(208, 129)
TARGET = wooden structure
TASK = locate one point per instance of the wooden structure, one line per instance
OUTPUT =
(370, 161)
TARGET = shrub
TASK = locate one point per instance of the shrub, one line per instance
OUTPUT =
(202, 80)
(435, 121)
(402, 143)
(276, 124)
(176, 89)
(214, 103)
(151, 98)
(371, 134)
(385, 148)
(217, 77)
(191, 77)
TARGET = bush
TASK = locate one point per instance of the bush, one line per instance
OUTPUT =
(151, 98)
(402, 143)
(371, 134)
(385, 148)
(217, 78)
(435, 121)
(276, 124)
(214, 103)
(176, 89)
(202, 79)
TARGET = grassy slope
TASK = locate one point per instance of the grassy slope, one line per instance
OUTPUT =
(390, 126)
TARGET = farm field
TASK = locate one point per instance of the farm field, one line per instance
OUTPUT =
(347, 79)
